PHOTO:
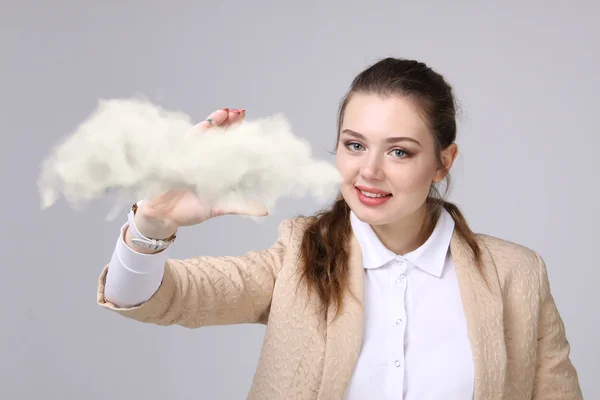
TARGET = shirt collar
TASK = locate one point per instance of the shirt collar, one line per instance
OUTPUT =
(430, 257)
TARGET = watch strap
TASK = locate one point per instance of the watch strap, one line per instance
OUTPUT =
(143, 241)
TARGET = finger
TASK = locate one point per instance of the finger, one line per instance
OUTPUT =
(216, 118)
(236, 116)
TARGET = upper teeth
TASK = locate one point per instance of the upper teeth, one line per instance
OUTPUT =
(373, 194)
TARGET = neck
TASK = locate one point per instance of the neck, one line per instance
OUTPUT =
(405, 235)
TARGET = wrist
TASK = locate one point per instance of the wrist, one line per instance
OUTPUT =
(128, 239)
(153, 228)
(145, 234)
(147, 223)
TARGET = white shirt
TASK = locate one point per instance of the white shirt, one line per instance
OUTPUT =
(415, 343)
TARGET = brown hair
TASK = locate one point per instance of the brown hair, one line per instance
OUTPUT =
(324, 250)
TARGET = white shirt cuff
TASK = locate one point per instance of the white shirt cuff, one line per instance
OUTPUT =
(132, 277)
(138, 262)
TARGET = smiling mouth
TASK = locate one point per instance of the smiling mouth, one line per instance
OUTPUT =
(372, 199)
(374, 196)
(374, 193)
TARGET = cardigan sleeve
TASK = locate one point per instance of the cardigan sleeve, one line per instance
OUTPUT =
(205, 290)
(555, 377)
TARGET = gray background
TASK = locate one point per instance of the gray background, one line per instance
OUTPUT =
(526, 74)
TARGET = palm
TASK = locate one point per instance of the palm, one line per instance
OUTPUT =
(178, 208)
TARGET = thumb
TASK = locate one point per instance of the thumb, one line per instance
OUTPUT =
(250, 208)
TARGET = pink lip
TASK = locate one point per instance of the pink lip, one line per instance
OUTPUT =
(371, 190)
(371, 201)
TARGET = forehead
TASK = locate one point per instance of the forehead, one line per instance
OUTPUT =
(378, 117)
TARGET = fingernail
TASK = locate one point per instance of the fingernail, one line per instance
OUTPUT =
(225, 109)
(242, 110)
(235, 111)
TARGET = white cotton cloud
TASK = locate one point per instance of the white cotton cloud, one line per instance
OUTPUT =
(138, 149)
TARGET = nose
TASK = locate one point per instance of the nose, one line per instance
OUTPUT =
(372, 170)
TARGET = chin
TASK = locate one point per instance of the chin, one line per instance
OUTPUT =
(371, 215)
(373, 218)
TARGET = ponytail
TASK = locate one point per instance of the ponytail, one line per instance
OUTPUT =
(324, 254)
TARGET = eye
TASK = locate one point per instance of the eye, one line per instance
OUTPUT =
(401, 153)
(350, 144)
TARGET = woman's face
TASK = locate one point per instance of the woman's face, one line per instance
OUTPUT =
(385, 146)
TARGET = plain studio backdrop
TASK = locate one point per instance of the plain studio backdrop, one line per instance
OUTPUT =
(526, 77)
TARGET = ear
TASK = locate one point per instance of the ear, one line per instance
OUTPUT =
(448, 156)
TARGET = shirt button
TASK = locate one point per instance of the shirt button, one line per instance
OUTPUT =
(397, 363)
(401, 280)
(398, 321)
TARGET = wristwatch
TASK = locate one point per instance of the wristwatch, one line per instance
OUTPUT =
(143, 241)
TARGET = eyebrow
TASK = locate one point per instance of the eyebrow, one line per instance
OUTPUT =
(388, 140)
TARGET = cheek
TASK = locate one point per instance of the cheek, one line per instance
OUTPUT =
(412, 178)
(346, 166)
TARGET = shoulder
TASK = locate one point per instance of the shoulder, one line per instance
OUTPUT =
(513, 261)
(505, 251)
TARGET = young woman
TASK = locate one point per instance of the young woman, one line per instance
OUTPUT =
(387, 294)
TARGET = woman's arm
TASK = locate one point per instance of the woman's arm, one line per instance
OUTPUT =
(204, 291)
(556, 378)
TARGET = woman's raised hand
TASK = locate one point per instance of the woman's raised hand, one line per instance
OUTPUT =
(160, 216)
